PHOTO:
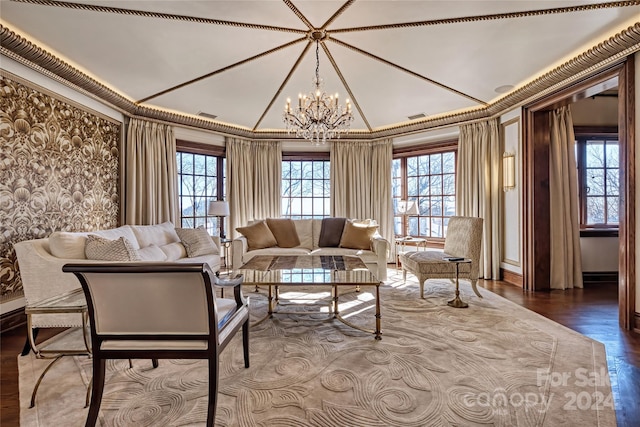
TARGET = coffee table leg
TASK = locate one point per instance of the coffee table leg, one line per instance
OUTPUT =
(335, 301)
(270, 312)
(378, 337)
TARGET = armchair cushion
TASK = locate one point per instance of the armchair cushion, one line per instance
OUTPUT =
(99, 248)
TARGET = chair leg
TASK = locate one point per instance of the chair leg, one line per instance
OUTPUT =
(404, 275)
(27, 345)
(473, 285)
(213, 391)
(422, 280)
(245, 343)
(154, 362)
(96, 392)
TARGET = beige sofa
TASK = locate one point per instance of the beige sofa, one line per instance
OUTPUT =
(40, 262)
(308, 231)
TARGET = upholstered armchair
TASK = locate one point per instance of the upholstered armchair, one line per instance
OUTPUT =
(463, 239)
(159, 311)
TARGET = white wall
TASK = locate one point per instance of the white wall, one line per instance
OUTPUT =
(512, 201)
(599, 253)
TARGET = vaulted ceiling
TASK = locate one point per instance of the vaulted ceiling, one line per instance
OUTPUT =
(443, 61)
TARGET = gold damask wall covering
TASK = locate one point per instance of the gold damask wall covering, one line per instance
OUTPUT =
(59, 170)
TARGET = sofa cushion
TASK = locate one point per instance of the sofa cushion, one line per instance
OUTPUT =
(331, 232)
(174, 251)
(258, 235)
(99, 248)
(67, 245)
(304, 230)
(357, 235)
(124, 231)
(197, 242)
(159, 234)
(152, 253)
(284, 231)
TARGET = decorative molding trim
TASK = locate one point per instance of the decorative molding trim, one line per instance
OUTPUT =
(606, 53)
(511, 277)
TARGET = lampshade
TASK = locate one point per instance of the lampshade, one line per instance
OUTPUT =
(218, 208)
(407, 207)
(508, 171)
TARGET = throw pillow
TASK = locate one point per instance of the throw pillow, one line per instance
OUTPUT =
(152, 253)
(99, 248)
(331, 232)
(197, 242)
(284, 231)
(258, 235)
(357, 235)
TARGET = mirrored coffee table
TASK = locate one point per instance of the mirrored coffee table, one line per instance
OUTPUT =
(335, 271)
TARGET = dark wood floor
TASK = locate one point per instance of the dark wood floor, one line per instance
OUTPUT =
(592, 311)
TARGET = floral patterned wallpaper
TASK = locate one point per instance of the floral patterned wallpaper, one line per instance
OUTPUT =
(59, 170)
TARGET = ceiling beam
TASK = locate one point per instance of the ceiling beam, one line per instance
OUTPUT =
(337, 13)
(299, 14)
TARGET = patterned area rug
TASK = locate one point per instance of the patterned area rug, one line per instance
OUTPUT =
(494, 363)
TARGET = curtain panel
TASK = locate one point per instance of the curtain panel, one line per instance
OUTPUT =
(254, 180)
(478, 190)
(566, 263)
(151, 194)
(361, 183)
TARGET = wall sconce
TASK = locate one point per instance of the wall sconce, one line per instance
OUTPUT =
(508, 171)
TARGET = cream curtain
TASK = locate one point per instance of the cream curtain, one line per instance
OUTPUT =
(151, 195)
(566, 265)
(361, 183)
(254, 179)
(478, 190)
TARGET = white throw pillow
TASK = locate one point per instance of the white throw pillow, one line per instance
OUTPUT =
(63, 244)
(99, 248)
(114, 233)
(159, 234)
(152, 253)
(174, 251)
(197, 242)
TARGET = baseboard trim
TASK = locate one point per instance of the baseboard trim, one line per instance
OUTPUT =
(12, 319)
(511, 277)
(636, 323)
(600, 276)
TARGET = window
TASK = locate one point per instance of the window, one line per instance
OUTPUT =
(306, 188)
(598, 160)
(200, 180)
(429, 180)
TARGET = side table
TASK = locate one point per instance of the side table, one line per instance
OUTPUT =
(226, 244)
(457, 302)
(69, 302)
(401, 242)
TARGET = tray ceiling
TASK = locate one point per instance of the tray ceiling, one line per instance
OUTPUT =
(241, 60)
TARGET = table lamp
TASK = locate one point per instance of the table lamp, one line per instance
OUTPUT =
(407, 208)
(220, 209)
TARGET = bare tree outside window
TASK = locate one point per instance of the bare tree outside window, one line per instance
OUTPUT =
(198, 177)
(429, 180)
(598, 161)
(306, 186)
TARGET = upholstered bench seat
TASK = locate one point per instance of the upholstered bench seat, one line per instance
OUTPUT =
(463, 239)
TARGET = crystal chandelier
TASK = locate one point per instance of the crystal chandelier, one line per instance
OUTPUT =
(318, 115)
